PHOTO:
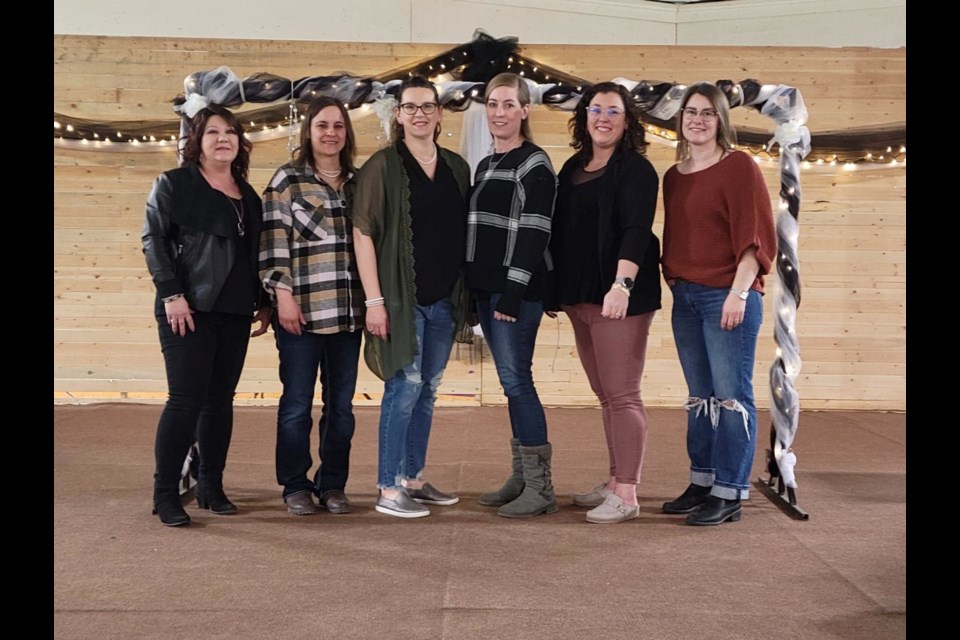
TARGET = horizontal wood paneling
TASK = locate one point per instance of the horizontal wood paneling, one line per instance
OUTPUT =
(852, 322)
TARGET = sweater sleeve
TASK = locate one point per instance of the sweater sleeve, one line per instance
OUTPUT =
(157, 236)
(636, 207)
(276, 233)
(751, 216)
(537, 185)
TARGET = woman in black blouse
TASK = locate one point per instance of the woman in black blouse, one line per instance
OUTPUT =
(607, 279)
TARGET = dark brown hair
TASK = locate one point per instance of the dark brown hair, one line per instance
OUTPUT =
(412, 82)
(634, 137)
(192, 150)
(303, 154)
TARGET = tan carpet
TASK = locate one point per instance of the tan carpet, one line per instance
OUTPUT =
(465, 572)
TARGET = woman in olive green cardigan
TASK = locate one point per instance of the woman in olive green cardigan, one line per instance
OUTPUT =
(410, 220)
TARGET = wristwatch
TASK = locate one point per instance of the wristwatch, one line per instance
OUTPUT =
(743, 294)
(626, 283)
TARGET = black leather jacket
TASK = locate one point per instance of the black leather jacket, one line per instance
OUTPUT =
(188, 236)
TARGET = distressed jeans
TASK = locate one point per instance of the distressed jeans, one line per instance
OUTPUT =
(718, 367)
(406, 412)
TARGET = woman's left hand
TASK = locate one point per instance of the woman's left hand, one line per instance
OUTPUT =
(262, 316)
(615, 305)
(504, 317)
(733, 310)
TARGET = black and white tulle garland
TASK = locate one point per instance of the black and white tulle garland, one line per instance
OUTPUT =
(461, 74)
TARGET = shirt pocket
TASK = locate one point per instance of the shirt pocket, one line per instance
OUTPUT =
(311, 219)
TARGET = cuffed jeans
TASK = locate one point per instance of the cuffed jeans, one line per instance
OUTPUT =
(718, 367)
(406, 412)
(203, 369)
(336, 356)
(512, 344)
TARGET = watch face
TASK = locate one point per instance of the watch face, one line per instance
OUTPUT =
(628, 283)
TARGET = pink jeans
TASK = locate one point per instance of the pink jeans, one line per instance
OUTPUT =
(613, 353)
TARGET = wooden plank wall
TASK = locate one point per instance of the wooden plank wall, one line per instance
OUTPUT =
(852, 323)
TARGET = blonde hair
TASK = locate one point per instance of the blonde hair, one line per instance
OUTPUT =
(513, 81)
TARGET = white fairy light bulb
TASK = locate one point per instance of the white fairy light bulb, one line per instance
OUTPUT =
(56, 125)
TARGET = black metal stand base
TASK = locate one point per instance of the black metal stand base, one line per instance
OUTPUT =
(787, 504)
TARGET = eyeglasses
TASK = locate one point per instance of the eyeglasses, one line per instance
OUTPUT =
(705, 114)
(611, 112)
(427, 108)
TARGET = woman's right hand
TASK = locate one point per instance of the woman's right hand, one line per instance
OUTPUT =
(179, 316)
(378, 321)
(289, 314)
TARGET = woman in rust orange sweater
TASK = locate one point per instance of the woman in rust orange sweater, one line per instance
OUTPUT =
(718, 242)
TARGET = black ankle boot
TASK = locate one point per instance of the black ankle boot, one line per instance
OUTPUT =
(690, 499)
(210, 496)
(168, 507)
(716, 511)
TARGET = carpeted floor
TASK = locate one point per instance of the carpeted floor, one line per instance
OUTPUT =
(464, 572)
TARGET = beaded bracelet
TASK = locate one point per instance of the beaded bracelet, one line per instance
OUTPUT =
(175, 296)
(374, 302)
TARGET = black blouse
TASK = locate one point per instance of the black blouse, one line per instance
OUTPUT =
(439, 223)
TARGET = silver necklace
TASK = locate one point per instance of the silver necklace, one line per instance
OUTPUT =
(330, 174)
(239, 212)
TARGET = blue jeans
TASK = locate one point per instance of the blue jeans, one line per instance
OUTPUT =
(336, 356)
(406, 412)
(511, 344)
(718, 367)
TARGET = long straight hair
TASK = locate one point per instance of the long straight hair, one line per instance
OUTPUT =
(303, 155)
(726, 136)
(508, 79)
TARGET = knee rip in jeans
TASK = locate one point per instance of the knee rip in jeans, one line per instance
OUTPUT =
(735, 406)
(711, 407)
(413, 378)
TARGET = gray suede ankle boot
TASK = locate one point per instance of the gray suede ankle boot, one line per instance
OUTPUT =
(512, 488)
(537, 495)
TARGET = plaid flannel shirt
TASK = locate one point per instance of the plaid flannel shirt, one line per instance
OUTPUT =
(306, 247)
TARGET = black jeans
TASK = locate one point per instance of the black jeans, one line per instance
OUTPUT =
(203, 369)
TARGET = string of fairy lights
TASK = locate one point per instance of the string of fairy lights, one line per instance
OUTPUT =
(465, 70)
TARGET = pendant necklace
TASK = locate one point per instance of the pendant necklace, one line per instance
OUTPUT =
(239, 212)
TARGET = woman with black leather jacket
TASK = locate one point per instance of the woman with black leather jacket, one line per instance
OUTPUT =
(200, 240)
